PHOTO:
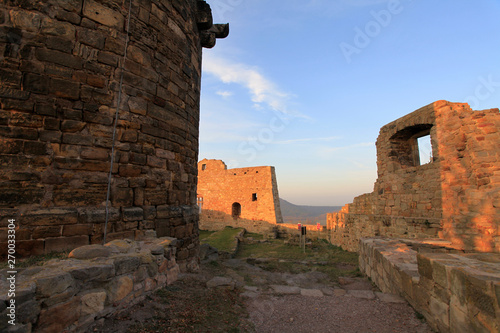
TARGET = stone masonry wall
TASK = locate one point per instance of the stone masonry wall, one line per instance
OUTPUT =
(76, 294)
(60, 69)
(456, 292)
(455, 197)
(254, 189)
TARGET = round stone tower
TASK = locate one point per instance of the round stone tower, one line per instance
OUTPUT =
(67, 67)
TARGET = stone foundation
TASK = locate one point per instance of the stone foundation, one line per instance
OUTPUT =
(455, 291)
(96, 281)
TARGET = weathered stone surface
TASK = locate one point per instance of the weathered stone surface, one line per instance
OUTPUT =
(92, 303)
(27, 312)
(90, 252)
(119, 287)
(102, 14)
(59, 88)
(52, 281)
(126, 264)
(58, 317)
(466, 306)
(122, 245)
(88, 272)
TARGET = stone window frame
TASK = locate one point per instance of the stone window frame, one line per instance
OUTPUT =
(404, 145)
(254, 196)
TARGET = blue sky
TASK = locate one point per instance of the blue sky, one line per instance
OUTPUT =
(305, 85)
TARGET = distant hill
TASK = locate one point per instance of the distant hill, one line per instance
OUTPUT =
(305, 214)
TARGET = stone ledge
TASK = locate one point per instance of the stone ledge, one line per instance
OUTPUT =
(455, 291)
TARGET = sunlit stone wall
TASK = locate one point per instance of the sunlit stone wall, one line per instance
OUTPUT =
(455, 197)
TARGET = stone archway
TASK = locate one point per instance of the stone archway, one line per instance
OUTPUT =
(236, 210)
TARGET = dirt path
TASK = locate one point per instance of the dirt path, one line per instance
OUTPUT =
(267, 301)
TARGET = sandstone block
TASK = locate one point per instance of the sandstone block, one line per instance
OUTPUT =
(92, 303)
(52, 281)
(119, 288)
(91, 271)
(65, 243)
(77, 230)
(59, 317)
(133, 214)
(126, 264)
(103, 15)
(130, 171)
(90, 252)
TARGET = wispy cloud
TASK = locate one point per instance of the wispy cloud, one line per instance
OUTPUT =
(286, 142)
(357, 145)
(261, 89)
(224, 94)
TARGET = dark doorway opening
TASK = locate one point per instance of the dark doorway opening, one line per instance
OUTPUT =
(236, 210)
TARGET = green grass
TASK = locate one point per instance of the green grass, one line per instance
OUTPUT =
(321, 256)
(205, 233)
(254, 235)
(223, 240)
(36, 260)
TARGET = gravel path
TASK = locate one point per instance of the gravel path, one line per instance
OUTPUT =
(297, 313)
(307, 303)
(275, 302)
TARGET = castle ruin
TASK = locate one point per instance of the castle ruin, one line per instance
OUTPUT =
(430, 231)
(244, 193)
(455, 197)
(66, 67)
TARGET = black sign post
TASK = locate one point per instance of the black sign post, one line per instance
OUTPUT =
(303, 232)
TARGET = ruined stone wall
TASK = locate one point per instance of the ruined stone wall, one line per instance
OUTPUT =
(77, 294)
(454, 291)
(246, 193)
(454, 197)
(60, 69)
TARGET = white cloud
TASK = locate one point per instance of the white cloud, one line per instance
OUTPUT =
(224, 94)
(262, 90)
